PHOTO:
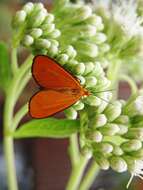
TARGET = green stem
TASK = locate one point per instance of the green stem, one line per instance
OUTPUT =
(19, 115)
(10, 102)
(9, 158)
(113, 75)
(14, 64)
(74, 150)
(77, 174)
(131, 82)
(90, 176)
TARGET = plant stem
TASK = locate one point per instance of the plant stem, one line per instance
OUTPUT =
(9, 158)
(19, 115)
(77, 173)
(14, 64)
(131, 82)
(74, 150)
(90, 176)
(113, 75)
(11, 98)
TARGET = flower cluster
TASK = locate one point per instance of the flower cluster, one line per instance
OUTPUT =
(83, 30)
(124, 33)
(34, 28)
(114, 135)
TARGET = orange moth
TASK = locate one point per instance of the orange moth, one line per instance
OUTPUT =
(59, 91)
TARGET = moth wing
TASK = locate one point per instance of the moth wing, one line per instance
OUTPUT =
(49, 74)
(48, 102)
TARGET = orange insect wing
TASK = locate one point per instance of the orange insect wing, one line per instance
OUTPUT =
(60, 88)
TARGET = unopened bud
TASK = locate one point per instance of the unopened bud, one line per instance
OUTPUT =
(28, 7)
(91, 81)
(28, 40)
(43, 43)
(78, 106)
(93, 100)
(113, 111)
(132, 145)
(109, 129)
(63, 58)
(101, 161)
(71, 113)
(36, 33)
(98, 121)
(118, 164)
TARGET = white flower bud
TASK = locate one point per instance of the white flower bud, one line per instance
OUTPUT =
(134, 133)
(36, 33)
(117, 150)
(139, 105)
(100, 38)
(98, 70)
(110, 129)
(63, 58)
(101, 161)
(123, 129)
(91, 81)
(113, 111)
(89, 67)
(122, 119)
(20, 17)
(86, 151)
(104, 48)
(132, 145)
(71, 52)
(90, 31)
(137, 154)
(118, 164)
(54, 42)
(53, 50)
(28, 7)
(83, 13)
(49, 19)
(98, 121)
(79, 68)
(55, 33)
(38, 6)
(43, 43)
(48, 28)
(81, 79)
(93, 100)
(38, 18)
(28, 40)
(106, 97)
(95, 136)
(103, 83)
(86, 48)
(78, 106)
(105, 148)
(71, 113)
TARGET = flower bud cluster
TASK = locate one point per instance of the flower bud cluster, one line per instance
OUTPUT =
(34, 28)
(115, 135)
(124, 33)
(83, 30)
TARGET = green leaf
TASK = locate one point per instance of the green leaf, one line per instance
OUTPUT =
(5, 72)
(50, 127)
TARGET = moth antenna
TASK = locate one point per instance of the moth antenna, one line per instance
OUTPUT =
(130, 181)
(105, 100)
(110, 90)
